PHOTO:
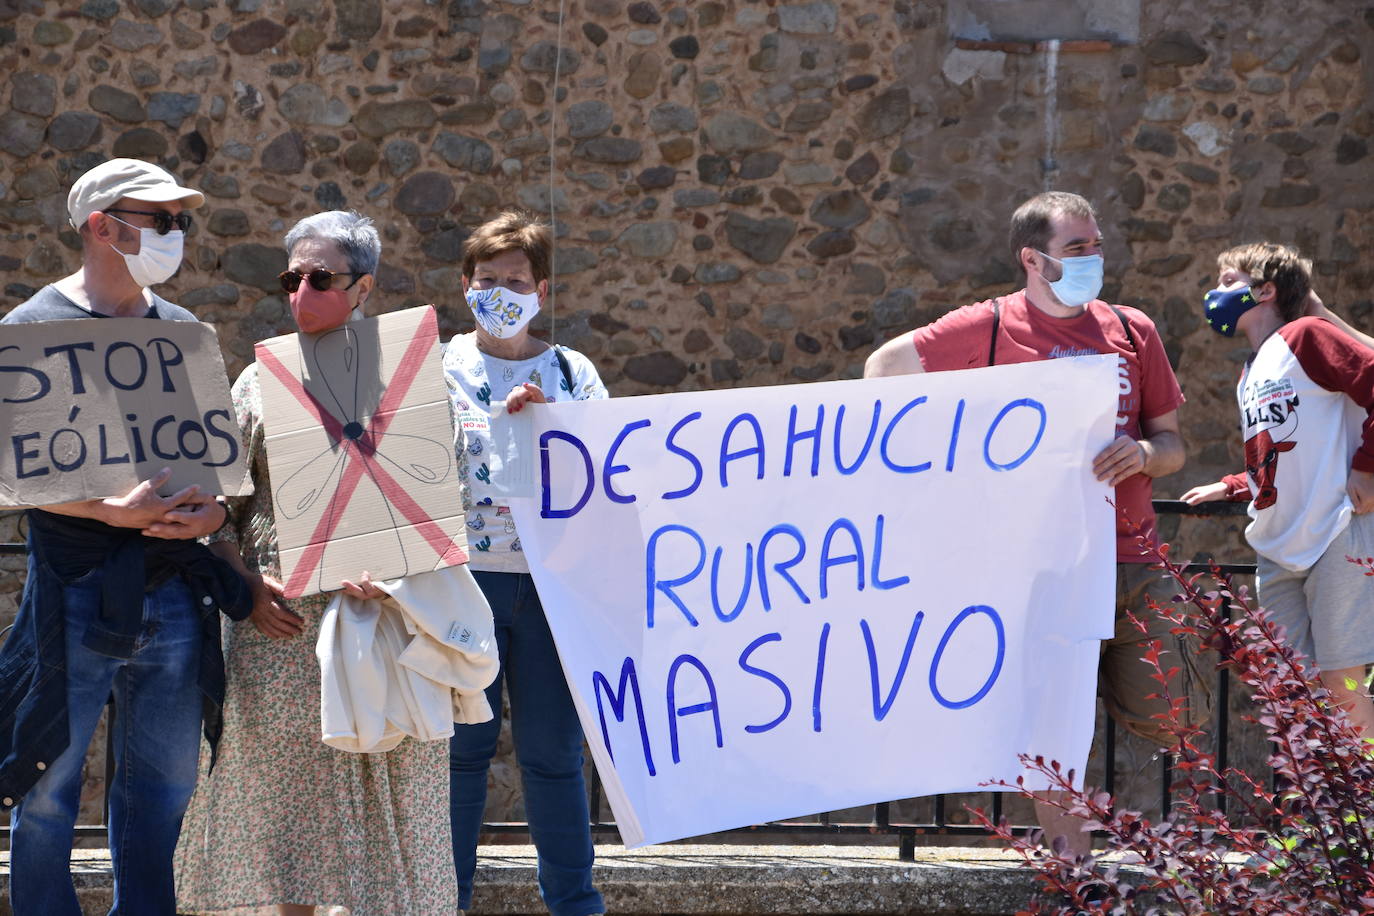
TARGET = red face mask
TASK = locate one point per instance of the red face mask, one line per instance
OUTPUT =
(315, 311)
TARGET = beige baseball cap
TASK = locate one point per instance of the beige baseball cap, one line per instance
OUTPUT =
(105, 184)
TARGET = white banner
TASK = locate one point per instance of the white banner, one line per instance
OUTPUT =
(777, 601)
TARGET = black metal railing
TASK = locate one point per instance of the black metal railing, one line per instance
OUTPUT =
(880, 824)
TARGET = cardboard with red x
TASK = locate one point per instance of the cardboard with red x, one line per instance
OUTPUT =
(360, 451)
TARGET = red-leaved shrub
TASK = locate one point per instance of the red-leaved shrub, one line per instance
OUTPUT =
(1305, 848)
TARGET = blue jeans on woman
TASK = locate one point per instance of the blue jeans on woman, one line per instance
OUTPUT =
(156, 744)
(548, 746)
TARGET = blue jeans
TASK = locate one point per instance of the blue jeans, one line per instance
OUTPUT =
(156, 743)
(548, 746)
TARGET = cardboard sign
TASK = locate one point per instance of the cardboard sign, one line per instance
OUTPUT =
(777, 601)
(89, 408)
(360, 451)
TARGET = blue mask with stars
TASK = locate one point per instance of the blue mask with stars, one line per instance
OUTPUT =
(1223, 307)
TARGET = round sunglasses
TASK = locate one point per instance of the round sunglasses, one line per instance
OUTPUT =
(319, 278)
(163, 222)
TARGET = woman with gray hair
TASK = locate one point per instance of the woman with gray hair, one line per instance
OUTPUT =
(283, 820)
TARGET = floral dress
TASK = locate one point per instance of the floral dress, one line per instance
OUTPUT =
(283, 818)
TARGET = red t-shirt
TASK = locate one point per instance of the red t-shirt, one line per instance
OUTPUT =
(1148, 388)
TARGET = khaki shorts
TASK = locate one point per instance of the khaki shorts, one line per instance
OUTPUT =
(1124, 680)
(1325, 609)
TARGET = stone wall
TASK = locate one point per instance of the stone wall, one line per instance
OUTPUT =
(747, 192)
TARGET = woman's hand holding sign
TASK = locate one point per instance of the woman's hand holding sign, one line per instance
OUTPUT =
(524, 394)
(363, 588)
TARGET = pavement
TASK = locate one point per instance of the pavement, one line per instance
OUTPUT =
(687, 879)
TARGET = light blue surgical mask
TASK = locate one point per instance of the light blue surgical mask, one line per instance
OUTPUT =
(1081, 280)
(501, 312)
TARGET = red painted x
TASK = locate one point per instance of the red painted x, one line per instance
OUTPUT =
(411, 362)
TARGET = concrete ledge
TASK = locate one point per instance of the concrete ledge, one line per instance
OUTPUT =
(773, 879)
(91, 874)
(943, 881)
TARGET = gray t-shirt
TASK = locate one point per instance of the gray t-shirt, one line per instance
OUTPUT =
(48, 304)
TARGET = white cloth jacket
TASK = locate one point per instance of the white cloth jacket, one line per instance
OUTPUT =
(412, 663)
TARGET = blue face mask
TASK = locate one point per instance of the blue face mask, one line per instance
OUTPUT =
(1223, 307)
(1081, 280)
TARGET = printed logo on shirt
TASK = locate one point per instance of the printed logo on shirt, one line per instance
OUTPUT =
(1066, 352)
(459, 634)
(1269, 402)
(474, 421)
(1126, 405)
(1271, 424)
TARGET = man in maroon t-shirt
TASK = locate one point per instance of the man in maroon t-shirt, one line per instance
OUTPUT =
(1055, 239)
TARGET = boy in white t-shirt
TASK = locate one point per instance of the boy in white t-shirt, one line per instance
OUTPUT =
(1306, 401)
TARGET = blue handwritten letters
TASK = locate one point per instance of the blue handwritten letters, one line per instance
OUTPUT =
(89, 408)
(783, 600)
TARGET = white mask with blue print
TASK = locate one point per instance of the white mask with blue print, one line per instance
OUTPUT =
(500, 312)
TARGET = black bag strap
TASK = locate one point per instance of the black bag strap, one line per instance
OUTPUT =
(1125, 326)
(567, 369)
(997, 323)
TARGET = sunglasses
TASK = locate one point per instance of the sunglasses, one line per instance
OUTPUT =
(163, 222)
(320, 279)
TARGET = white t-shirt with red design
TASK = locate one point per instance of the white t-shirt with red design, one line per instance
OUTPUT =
(1305, 407)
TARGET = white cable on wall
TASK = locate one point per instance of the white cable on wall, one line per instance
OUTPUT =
(553, 142)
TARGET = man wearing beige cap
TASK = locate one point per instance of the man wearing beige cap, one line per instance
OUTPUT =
(120, 599)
